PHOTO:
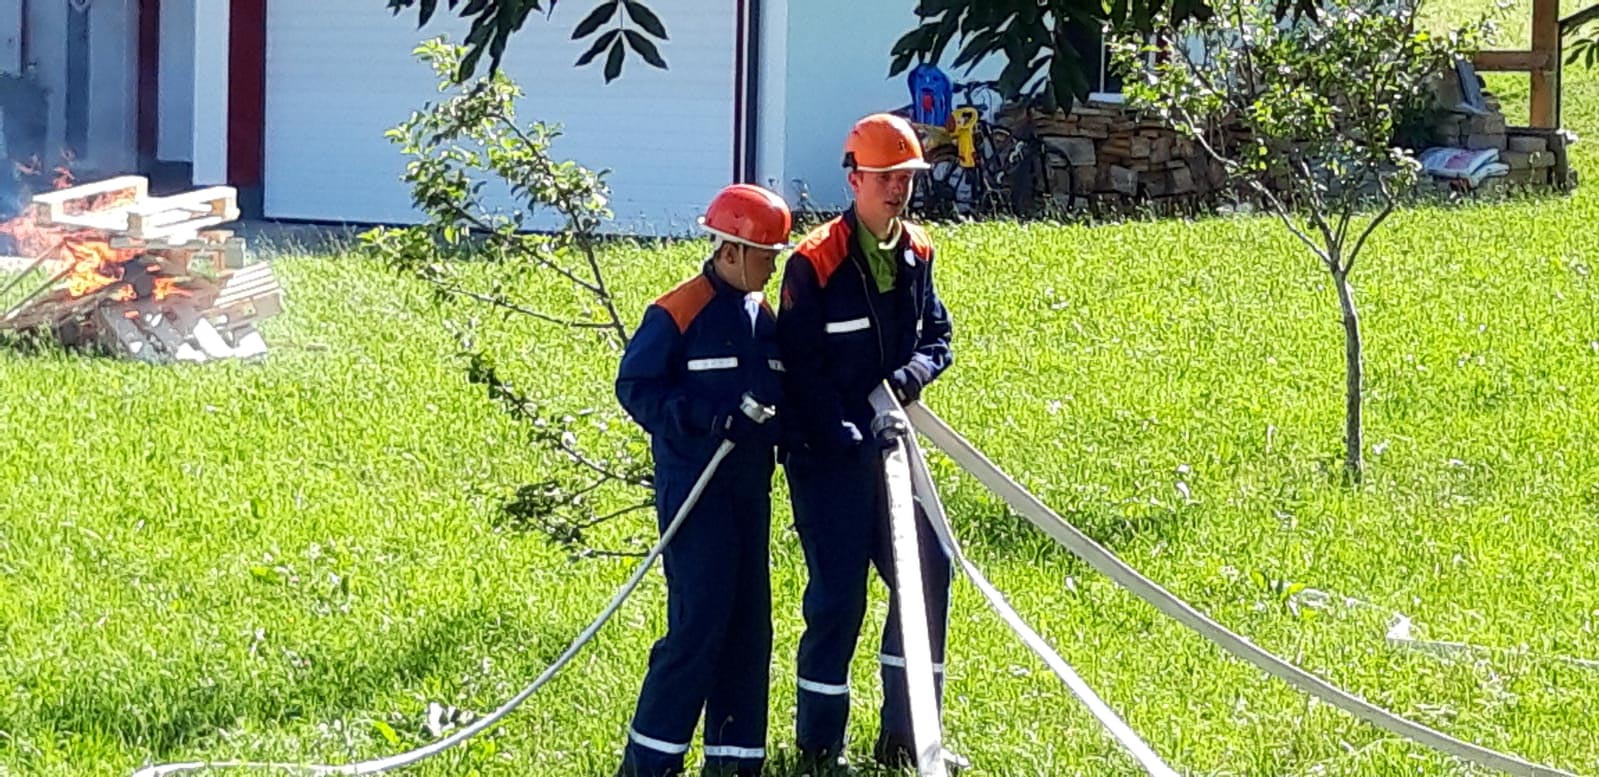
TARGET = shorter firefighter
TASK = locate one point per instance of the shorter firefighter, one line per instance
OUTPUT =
(702, 350)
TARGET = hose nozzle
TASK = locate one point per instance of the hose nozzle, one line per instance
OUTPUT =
(756, 411)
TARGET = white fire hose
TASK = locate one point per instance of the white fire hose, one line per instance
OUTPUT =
(905, 470)
(933, 507)
(909, 482)
(757, 412)
(1039, 514)
(892, 431)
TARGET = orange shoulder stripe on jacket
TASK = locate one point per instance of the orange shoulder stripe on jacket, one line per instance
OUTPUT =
(921, 244)
(687, 300)
(826, 247)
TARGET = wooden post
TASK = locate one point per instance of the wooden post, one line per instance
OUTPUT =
(1545, 80)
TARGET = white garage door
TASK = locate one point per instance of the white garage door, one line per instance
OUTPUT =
(338, 75)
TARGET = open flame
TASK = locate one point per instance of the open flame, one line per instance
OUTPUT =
(60, 177)
(160, 288)
(28, 238)
(90, 264)
(166, 287)
(84, 261)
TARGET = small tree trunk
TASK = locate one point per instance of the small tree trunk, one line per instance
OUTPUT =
(1353, 461)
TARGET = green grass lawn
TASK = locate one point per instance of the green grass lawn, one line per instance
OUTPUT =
(290, 560)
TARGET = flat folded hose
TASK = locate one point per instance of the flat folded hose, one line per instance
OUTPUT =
(1035, 511)
(927, 495)
(892, 431)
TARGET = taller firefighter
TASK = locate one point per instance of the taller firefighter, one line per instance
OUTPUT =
(858, 307)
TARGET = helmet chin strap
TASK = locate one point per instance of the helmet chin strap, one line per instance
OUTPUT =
(744, 267)
(892, 239)
(743, 264)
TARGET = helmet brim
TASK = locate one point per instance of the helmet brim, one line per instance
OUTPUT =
(909, 164)
(732, 238)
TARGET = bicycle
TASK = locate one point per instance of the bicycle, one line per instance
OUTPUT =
(967, 158)
(980, 168)
(1043, 182)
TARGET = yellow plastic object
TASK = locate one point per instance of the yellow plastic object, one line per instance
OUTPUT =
(966, 135)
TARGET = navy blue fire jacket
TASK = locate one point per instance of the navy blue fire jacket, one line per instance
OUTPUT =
(841, 337)
(693, 357)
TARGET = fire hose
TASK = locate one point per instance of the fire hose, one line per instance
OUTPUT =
(892, 432)
(1108, 564)
(909, 482)
(757, 412)
(933, 508)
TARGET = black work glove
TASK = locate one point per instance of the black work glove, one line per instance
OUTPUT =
(843, 437)
(735, 427)
(908, 381)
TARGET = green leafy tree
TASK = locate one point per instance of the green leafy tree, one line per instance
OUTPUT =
(616, 26)
(1049, 46)
(1304, 111)
(476, 254)
(1583, 28)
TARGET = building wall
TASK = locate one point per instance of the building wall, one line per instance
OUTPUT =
(10, 36)
(47, 48)
(175, 92)
(209, 115)
(109, 142)
(339, 76)
(836, 63)
(113, 87)
(771, 100)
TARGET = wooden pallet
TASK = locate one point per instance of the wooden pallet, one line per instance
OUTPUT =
(122, 207)
(218, 296)
(63, 206)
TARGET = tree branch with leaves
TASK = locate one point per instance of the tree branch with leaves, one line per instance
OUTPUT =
(616, 25)
(468, 153)
(1583, 28)
(1049, 46)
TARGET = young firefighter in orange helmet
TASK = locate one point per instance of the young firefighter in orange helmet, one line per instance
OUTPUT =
(858, 308)
(703, 347)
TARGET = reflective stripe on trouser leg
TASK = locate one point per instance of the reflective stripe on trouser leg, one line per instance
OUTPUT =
(835, 500)
(898, 662)
(659, 746)
(699, 595)
(736, 710)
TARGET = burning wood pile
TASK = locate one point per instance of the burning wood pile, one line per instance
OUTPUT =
(106, 265)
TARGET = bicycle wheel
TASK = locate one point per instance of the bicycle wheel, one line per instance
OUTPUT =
(936, 193)
(1043, 183)
(997, 148)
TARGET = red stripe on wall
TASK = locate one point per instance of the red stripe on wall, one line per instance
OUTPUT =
(149, 77)
(246, 91)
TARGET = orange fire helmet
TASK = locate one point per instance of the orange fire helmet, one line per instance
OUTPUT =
(882, 142)
(749, 215)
